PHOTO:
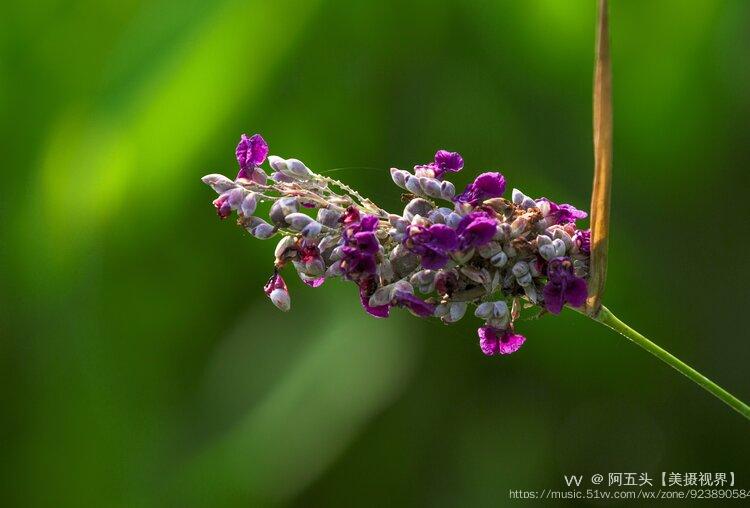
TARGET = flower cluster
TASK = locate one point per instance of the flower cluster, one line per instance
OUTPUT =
(444, 253)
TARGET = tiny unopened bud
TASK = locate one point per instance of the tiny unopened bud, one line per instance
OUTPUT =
(547, 251)
(452, 219)
(431, 187)
(328, 217)
(298, 221)
(235, 197)
(447, 190)
(499, 259)
(520, 269)
(417, 206)
(559, 246)
(259, 228)
(297, 169)
(524, 280)
(249, 204)
(277, 163)
(412, 184)
(399, 177)
(277, 291)
(218, 183)
(312, 230)
(517, 197)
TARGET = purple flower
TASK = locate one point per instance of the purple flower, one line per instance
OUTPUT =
(476, 229)
(503, 342)
(562, 214)
(582, 238)
(276, 290)
(433, 244)
(444, 161)
(360, 244)
(355, 264)
(223, 207)
(415, 305)
(366, 288)
(486, 186)
(251, 152)
(563, 286)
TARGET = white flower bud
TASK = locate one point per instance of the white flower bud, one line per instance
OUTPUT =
(312, 229)
(412, 185)
(280, 298)
(297, 169)
(517, 197)
(399, 177)
(219, 183)
(249, 204)
(431, 187)
(520, 269)
(447, 190)
(547, 251)
(499, 259)
(278, 164)
(298, 220)
(559, 246)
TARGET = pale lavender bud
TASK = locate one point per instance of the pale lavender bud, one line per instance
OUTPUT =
(297, 169)
(412, 184)
(249, 204)
(517, 196)
(520, 269)
(399, 177)
(312, 230)
(447, 190)
(259, 228)
(328, 217)
(235, 197)
(398, 222)
(417, 206)
(277, 163)
(277, 291)
(298, 221)
(560, 247)
(218, 183)
(281, 208)
(547, 251)
(499, 259)
(326, 243)
(280, 177)
(453, 219)
(431, 187)
(561, 234)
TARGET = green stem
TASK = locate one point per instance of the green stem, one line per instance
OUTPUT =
(608, 319)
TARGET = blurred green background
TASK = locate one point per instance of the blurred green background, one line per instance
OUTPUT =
(141, 363)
